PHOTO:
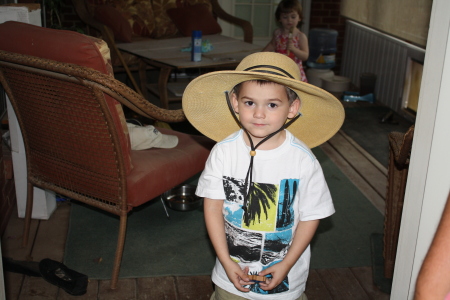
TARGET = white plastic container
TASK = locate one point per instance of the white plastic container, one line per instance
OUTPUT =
(336, 84)
(315, 76)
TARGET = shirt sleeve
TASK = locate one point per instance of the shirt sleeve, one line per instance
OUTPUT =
(210, 183)
(315, 198)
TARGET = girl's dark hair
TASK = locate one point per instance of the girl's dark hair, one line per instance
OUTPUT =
(287, 6)
(290, 93)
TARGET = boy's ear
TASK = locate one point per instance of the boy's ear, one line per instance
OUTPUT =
(293, 109)
(234, 102)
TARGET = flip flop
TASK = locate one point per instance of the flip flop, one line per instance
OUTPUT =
(60, 275)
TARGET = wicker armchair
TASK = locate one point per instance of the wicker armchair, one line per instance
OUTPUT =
(75, 141)
(126, 62)
(400, 145)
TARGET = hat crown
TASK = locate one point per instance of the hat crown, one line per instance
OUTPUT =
(272, 63)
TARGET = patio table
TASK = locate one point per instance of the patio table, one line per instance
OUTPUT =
(166, 55)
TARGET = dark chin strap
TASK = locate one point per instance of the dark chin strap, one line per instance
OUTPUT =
(248, 185)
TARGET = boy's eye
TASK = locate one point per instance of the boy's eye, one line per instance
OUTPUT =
(273, 105)
(248, 103)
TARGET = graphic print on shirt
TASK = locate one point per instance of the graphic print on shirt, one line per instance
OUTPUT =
(261, 236)
(288, 189)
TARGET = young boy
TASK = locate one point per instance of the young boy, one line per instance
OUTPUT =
(264, 190)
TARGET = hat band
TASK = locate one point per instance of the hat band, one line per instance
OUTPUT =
(270, 72)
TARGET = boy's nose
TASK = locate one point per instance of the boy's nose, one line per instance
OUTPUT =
(259, 113)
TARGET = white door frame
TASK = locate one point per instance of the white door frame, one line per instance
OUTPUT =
(429, 172)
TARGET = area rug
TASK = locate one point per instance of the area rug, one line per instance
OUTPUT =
(179, 246)
(343, 240)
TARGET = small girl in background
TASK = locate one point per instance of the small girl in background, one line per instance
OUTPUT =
(288, 39)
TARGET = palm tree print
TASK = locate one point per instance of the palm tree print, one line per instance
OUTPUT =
(259, 201)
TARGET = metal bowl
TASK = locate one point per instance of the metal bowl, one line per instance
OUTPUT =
(182, 198)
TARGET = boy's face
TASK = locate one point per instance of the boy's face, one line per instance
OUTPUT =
(263, 108)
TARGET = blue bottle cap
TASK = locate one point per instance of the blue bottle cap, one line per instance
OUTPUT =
(196, 33)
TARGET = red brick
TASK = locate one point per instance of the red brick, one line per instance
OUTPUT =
(335, 7)
(316, 5)
(315, 20)
(331, 20)
(321, 13)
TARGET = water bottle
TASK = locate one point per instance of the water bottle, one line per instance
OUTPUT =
(196, 54)
(322, 48)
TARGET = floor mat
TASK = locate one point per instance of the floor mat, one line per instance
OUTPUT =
(343, 240)
(157, 246)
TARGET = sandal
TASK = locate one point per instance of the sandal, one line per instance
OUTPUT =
(58, 274)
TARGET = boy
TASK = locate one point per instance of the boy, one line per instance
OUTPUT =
(264, 190)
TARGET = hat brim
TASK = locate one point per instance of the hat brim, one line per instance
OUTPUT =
(205, 106)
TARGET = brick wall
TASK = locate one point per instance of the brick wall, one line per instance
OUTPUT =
(326, 14)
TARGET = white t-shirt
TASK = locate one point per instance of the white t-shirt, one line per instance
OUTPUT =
(290, 187)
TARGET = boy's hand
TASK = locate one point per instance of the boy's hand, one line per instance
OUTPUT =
(278, 271)
(237, 276)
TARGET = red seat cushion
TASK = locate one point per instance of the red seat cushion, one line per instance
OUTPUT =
(157, 170)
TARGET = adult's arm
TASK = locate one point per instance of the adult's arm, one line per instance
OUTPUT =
(433, 281)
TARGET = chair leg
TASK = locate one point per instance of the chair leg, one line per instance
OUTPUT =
(119, 250)
(28, 212)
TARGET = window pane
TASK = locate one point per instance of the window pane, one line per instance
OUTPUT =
(261, 21)
(243, 12)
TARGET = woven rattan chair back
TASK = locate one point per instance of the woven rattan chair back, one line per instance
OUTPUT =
(71, 141)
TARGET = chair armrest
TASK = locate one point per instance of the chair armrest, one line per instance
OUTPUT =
(401, 145)
(136, 102)
(245, 25)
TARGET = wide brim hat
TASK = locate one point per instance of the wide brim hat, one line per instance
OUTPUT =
(206, 108)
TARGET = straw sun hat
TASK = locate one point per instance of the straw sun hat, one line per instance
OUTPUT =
(205, 104)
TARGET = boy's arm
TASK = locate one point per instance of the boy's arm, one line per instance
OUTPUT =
(303, 235)
(216, 230)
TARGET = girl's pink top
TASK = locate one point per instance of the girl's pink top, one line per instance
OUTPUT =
(281, 41)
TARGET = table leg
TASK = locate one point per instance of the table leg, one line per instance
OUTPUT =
(164, 74)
